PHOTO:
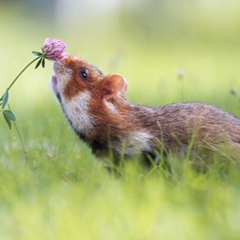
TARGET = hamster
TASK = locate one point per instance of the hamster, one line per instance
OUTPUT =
(98, 111)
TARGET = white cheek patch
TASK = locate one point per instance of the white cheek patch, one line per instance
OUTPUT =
(77, 112)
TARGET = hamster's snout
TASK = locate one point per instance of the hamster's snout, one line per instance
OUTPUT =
(58, 67)
(63, 74)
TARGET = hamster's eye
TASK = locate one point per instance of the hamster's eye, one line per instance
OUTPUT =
(83, 73)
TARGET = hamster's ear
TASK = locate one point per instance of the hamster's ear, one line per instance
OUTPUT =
(113, 85)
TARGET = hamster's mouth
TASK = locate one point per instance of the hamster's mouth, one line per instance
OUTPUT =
(54, 83)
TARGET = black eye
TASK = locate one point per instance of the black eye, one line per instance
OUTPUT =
(83, 73)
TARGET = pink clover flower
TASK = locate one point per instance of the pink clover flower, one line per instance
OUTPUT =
(54, 49)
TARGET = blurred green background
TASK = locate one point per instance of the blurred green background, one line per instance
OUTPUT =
(149, 42)
(169, 51)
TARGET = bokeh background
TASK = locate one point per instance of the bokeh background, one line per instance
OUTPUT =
(168, 50)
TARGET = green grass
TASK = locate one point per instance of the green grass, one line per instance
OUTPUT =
(58, 190)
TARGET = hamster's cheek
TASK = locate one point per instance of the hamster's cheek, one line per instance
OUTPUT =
(77, 112)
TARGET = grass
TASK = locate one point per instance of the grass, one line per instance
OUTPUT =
(59, 190)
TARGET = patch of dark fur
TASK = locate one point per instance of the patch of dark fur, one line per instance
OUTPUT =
(59, 98)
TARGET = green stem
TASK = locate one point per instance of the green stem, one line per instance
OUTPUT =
(34, 60)
(20, 138)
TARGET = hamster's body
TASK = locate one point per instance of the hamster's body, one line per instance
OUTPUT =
(99, 113)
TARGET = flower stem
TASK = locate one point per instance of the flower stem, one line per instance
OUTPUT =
(20, 138)
(22, 142)
(34, 60)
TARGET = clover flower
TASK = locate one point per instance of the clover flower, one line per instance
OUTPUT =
(53, 49)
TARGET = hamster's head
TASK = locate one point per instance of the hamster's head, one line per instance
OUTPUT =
(78, 86)
(73, 76)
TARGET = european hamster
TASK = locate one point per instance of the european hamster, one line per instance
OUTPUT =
(98, 111)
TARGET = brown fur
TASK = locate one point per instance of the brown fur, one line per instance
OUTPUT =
(173, 126)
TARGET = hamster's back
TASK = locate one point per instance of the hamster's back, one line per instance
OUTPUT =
(201, 123)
